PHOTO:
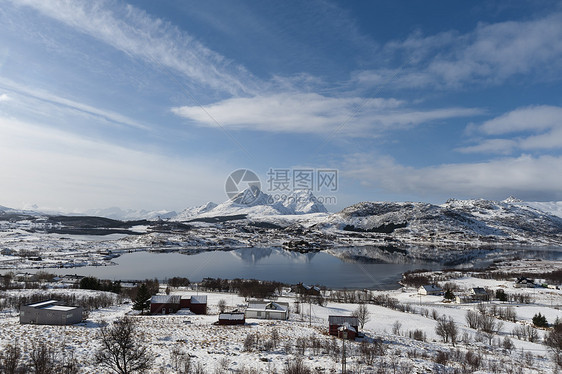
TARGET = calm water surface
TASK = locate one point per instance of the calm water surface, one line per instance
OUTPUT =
(266, 264)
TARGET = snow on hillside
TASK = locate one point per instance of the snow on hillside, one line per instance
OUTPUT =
(223, 349)
(473, 218)
(194, 211)
(551, 207)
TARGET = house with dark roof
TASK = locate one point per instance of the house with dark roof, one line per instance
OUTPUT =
(524, 282)
(430, 289)
(479, 294)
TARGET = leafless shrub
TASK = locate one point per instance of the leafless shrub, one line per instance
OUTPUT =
(473, 359)
(43, 359)
(249, 343)
(434, 314)
(297, 367)
(417, 335)
(442, 358)
(181, 361)
(447, 330)
(301, 345)
(121, 348)
(370, 350)
(507, 344)
(10, 359)
(362, 314)
(396, 327)
(472, 319)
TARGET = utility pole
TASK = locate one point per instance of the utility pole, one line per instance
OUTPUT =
(310, 312)
(343, 368)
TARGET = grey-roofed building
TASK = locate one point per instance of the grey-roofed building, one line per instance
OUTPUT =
(267, 310)
(50, 312)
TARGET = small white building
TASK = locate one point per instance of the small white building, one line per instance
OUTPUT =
(267, 310)
(430, 289)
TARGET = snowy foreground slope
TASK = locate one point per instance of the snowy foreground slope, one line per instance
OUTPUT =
(222, 349)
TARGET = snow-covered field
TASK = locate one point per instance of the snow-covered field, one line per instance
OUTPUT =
(221, 348)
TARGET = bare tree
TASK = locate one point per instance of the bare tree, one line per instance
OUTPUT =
(554, 341)
(42, 359)
(362, 314)
(490, 326)
(447, 330)
(472, 319)
(10, 359)
(121, 349)
(297, 367)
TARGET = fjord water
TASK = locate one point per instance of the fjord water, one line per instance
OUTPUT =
(276, 264)
(257, 263)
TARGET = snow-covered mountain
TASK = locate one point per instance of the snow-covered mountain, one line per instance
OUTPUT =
(189, 213)
(471, 218)
(255, 203)
(552, 207)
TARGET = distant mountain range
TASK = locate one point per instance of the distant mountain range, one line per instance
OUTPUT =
(406, 222)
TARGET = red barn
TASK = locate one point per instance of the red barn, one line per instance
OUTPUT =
(347, 324)
(197, 304)
(164, 304)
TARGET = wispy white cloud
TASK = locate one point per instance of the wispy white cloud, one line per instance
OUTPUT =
(4, 97)
(532, 118)
(314, 113)
(35, 94)
(58, 169)
(136, 33)
(530, 128)
(490, 54)
(527, 177)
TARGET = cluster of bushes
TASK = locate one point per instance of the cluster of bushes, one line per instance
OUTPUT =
(247, 288)
(93, 283)
(41, 359)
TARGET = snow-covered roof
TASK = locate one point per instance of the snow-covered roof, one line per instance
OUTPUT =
(346, 326)
(340, 320)
(431, 287)
(267, 305)
(231, 316)
(43, 304)
(165, 299)
(199, 299)
(60, 308)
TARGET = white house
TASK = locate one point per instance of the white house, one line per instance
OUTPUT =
(267, 310)
(430, 289)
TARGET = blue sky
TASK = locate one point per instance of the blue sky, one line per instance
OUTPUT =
(151, 104)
